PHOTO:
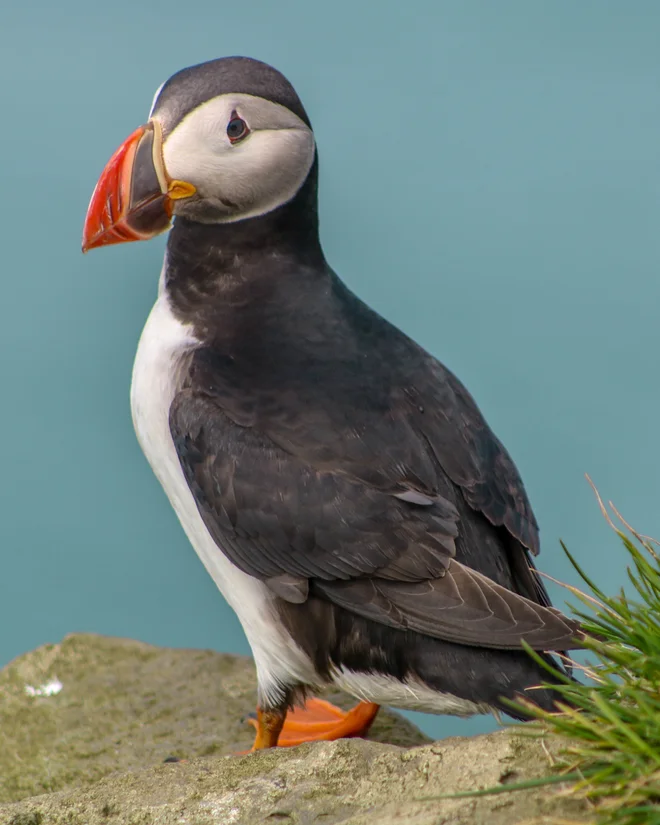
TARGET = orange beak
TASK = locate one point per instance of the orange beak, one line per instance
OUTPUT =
(133, 199)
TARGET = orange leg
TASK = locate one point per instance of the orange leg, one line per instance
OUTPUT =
(268, 724)
(318, 720)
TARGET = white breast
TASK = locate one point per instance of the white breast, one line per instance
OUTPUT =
(163, 346)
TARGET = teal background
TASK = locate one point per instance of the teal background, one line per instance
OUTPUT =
(489, 181)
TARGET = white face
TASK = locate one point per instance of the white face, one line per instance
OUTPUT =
(238, 178)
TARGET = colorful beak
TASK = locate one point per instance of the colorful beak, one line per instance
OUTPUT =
(133, 200)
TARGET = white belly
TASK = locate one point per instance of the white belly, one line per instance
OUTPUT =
(163, 346)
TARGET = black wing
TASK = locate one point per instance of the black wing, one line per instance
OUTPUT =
(367, 517)
(470, 454)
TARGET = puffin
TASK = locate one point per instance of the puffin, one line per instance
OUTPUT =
(339, 484)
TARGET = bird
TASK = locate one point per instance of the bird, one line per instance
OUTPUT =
(339, 484)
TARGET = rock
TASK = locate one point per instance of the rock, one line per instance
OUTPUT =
(124, 707)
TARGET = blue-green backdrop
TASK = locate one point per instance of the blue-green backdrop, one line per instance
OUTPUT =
(490, 181)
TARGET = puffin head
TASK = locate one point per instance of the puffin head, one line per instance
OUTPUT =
(225, 141)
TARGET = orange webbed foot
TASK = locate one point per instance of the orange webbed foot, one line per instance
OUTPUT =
(317, 721)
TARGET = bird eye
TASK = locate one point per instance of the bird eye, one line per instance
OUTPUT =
(237, 129)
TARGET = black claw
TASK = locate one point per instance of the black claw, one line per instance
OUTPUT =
(172, 759)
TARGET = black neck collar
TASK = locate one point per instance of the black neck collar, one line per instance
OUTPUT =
(213, 267)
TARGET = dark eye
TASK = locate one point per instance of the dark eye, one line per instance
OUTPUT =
(237, 129)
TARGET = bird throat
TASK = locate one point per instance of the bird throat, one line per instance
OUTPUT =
(223, 274)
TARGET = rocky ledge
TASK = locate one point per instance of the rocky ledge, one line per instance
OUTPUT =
(86, 724)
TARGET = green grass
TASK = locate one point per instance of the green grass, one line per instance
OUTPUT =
(610, 723)
(612, 757)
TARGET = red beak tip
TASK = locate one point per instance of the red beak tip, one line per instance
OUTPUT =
(87, 244)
